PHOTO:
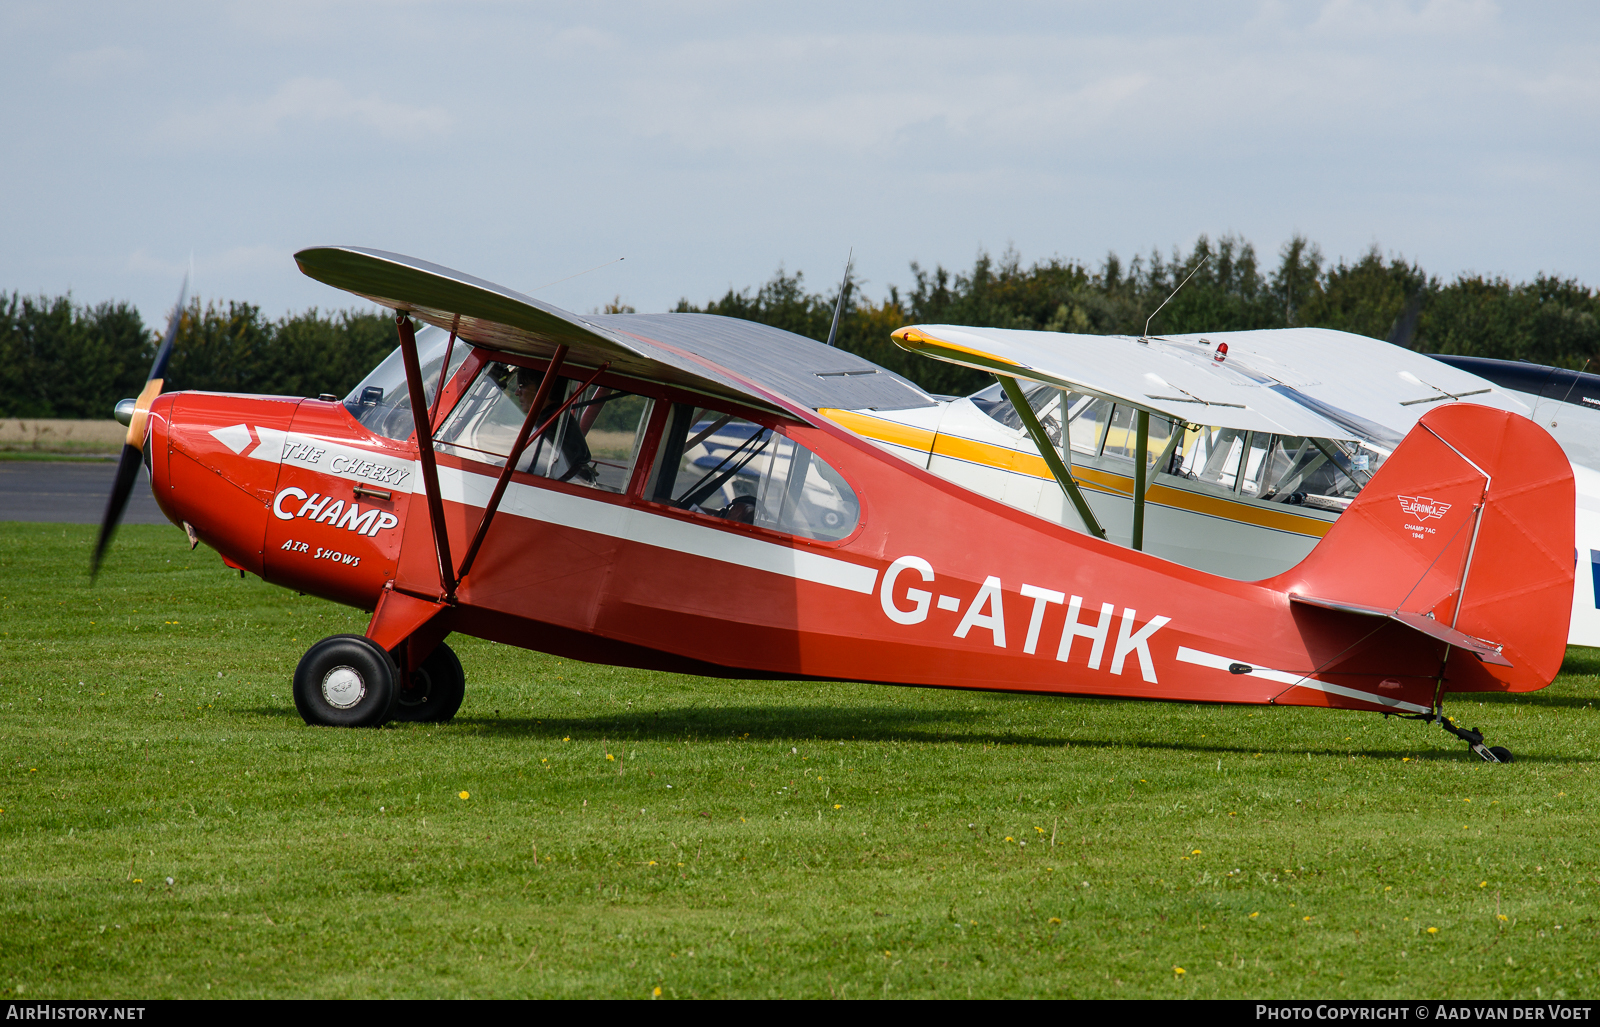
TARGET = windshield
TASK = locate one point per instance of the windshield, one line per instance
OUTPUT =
(382, 402)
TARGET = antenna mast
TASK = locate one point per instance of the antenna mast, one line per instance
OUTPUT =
(844, 288)
(1145, 338)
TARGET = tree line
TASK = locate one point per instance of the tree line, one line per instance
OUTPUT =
(1550, 320)
(60, 359)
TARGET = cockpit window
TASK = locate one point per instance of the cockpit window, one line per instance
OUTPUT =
(382, 403)
(724, 466)
(594, 442)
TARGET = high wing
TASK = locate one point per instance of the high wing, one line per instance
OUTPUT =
(1182, 381)
(722, 357)
(1381, 382)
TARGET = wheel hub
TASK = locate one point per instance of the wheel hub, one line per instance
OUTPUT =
(343, 687)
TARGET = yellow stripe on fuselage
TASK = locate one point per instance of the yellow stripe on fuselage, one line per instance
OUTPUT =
(1003, 458)
(880, 430)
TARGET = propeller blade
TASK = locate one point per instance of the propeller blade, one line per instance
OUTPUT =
(116, 503)
(133, 447)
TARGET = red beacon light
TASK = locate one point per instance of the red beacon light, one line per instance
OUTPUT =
(1221, 354)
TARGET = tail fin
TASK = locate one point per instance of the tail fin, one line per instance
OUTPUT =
(1465, 535)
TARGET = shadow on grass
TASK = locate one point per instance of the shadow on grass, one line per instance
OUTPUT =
(792, 725)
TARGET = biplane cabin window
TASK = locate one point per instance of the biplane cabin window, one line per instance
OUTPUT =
(382, 403)
(716, 464)
(594, 442)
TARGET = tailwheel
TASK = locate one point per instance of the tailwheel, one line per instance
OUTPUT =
(1471, 735)
(435, 690)
(346, 681)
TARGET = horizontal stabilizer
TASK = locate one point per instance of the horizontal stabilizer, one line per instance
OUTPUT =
(1487, 652)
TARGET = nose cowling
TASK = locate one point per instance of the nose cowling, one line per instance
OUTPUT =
(214, 467)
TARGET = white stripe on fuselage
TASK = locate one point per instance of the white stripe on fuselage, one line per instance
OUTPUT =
(1205, 659)
(652, 529)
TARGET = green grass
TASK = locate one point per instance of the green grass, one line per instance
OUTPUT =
(748, 838)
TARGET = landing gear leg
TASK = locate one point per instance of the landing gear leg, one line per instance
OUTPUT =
(435, 690)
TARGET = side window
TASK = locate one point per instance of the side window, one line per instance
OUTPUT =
(1122, 440)
(1216, 456)
(1088, 417)
(724, 466)
(595, 442)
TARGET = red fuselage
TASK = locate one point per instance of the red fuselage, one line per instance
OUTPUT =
(935, 586)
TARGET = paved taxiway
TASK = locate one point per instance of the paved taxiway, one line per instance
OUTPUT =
(69, 492)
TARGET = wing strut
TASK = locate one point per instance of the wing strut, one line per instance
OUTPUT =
(525, 437)
(1052, 458)
(430, 471)
(1141, 453)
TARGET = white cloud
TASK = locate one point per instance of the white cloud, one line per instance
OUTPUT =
(300, 102)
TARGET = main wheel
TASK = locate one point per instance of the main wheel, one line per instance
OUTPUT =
(345, 681)
(435, 690)
(1501, 753)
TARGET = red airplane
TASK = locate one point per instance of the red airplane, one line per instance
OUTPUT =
(660, 491)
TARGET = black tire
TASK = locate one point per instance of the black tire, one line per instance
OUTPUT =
(1501, 753)
(345, 681)
(435, 690)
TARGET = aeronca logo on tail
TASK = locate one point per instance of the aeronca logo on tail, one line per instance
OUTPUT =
(1422, 508)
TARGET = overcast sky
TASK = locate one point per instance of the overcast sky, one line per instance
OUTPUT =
(709, 143)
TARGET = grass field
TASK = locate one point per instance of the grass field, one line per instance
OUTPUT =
(172, 829)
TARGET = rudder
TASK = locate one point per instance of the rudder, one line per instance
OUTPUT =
(1468, 524)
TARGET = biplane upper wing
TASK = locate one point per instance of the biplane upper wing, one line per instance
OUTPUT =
(1162, 379)
(722, 357)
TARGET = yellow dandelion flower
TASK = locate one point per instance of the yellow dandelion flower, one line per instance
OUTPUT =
(837, 806)
(568, 739)
(1055, 920)
(652, 862)
(464, 795)
(611, 757)
(1195, 852)
(973, 922)
(1178, 970)
(140, 880)
(1483, 884)
(1009, 838)
(657, 992)
(1433, 930)
(887, 954)
(1502, 918)
(1039, 829)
